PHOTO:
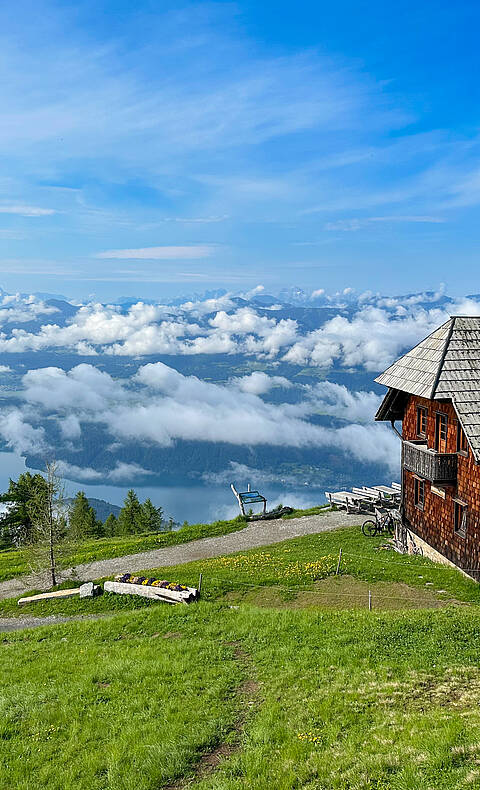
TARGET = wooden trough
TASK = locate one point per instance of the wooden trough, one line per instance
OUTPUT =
(156, 593)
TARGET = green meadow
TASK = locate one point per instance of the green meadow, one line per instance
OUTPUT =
(14, 562)
(278, 678)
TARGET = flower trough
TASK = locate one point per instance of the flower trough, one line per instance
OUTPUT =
(161, 590)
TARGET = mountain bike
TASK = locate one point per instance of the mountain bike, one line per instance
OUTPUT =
(384, 523)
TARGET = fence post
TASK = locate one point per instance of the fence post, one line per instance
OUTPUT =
(339, 561)
(199, 588)
(369, 600)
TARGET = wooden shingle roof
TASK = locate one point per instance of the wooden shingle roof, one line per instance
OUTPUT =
(446, 365)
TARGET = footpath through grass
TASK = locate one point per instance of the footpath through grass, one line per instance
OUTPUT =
(13, 562)
(345, 701)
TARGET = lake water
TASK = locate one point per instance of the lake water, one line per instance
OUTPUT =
(202, 503)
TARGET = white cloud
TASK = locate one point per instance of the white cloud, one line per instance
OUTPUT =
(371, 339)
(123, 472)
(377, 330)
(74, 472)
(338, 401)
(84, 387)
(206, 306)
(357, 223)
(26, 211)
(258, 383)
(19, 434)
(19, 309)
(70, 427)
(165, 253)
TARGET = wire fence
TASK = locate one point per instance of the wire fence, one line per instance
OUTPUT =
(304, 590)
(343, 566)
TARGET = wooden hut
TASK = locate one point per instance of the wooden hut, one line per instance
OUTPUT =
(434, 390)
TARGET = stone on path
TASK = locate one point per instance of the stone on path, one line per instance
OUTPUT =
(89, 590)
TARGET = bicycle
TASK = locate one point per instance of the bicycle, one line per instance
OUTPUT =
(384, 522)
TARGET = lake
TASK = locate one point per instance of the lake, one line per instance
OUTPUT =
(199, 503)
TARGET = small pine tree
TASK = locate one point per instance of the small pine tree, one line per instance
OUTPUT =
(81, 519)
(169, 525)
(99, 527)
(152, 517)
(131, 515)
(110, 526)
(47, 540)
(16, 522)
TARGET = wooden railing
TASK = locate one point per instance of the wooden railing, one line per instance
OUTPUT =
(433, 466)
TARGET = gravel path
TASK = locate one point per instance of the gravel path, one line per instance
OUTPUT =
(20, 623)
(258, 533)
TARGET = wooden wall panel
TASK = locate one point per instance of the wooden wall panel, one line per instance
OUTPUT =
(435, 524)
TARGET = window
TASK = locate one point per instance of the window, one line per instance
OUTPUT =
(460, 518)
(441, 431)
(419, 493)
(462, 444)
(422, 412)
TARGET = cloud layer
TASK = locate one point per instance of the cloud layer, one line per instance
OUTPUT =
(366, 331)
(159, 406)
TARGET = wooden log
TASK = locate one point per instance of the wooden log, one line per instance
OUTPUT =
(147, 591)
(49, 596)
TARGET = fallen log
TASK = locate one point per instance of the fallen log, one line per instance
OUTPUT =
(87, 590)
(49, 596)
(148, 591)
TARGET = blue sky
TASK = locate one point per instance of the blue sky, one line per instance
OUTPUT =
(153, 149)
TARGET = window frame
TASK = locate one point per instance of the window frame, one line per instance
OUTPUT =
(462, 446)
(439, 416)
(419, 493)
(460, 518)
(422, 413)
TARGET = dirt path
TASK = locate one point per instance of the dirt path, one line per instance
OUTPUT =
(248, 698)
(258, 533)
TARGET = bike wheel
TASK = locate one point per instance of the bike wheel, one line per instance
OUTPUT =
(369, 528)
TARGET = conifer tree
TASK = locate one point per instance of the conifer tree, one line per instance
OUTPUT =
(16, 523)
(152, 517)
(82, 518)
(130, 516)
(46, 546)
(110, 526)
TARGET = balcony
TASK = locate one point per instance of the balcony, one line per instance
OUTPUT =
(438, 468)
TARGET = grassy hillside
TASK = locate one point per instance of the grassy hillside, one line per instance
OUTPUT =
(260, 685)
(298, 572)
(274, 699)
(13, 562)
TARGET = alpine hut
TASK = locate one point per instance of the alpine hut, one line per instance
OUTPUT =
(434, 390)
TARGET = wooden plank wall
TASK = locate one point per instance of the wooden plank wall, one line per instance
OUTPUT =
(435, 524)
